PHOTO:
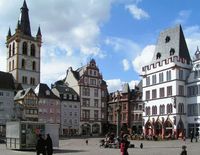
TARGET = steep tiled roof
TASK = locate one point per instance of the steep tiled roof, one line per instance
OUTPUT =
(171, 42)
(43, 91)
(6, 81)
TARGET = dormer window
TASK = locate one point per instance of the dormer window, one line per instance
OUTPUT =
(158, 55)
(47, 92)
(172, 51)
(167, 39)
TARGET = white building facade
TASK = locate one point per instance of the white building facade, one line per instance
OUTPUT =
(193, 96)
(92, 90)
(70, 108)
(164, 86)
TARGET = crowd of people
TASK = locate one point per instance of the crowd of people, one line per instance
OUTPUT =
(44, 146)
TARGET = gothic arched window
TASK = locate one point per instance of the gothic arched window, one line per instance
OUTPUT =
(33, 65)
(172, 51)
(33, 50)
(158, 55)
(23, 63)
(13, 49)
(24, 48)
(9, 50)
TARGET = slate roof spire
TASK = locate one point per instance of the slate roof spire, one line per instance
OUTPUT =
(24, 20)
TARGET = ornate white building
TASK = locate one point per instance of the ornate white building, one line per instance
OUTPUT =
(164, 86)
(92, 90)
(23, 52)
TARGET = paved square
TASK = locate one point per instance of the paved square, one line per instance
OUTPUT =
(78, 147)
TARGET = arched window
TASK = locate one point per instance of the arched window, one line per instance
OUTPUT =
(172, 51)
(181, 108)
(23, 64)
(9, 50)
(140, 117)
(33, 50)
(33, 65)
(158, 55)
(32, 81)
(13, 49)
(24, 48)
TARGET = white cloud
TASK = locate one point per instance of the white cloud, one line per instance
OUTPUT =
(183, 16)
(126, 64)
(117, 84)
(144, 58)
(136, 12)
(69, 29)
(192, 35)
(123, 46)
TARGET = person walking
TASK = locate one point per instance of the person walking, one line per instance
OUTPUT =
(191, 135)
(197, 135)
(40, 146)
(49, 145)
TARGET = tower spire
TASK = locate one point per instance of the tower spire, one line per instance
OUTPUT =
(24, 20)
(9, 32)
(39, 32)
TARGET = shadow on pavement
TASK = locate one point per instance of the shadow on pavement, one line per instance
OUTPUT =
(57, 151)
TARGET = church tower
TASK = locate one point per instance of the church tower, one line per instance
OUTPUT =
(23, 51)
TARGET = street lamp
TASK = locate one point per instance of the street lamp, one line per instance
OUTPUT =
(118, 110)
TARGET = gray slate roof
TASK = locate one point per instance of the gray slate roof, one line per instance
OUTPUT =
(41, 90)
(171, 39)
(6, 81)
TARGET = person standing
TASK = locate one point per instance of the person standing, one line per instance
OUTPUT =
(49, 145)
(40, 146)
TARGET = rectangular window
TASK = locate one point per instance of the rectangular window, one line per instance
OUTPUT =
(168, 75)
(153, 79)
(162, 92)
(1, 93)
(95, 92)
(96, 114)
(160, 77)
(93, 82)
(154, 95)
(86, 91)
(85, 102)
(24, 79)
(86, 114)
(169, 91)
(195, 74)
(181, 75)
(147, 95)
(181, 90)
(96, 103)
(148, 81)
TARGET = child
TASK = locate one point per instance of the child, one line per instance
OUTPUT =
(184, 152)
(86, 141)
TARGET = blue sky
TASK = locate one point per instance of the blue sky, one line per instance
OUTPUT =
(119, 34)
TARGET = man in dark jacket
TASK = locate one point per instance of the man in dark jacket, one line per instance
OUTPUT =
(40, 146)
(49, 145)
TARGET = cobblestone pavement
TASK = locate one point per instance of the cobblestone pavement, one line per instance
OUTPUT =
(78, 147)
